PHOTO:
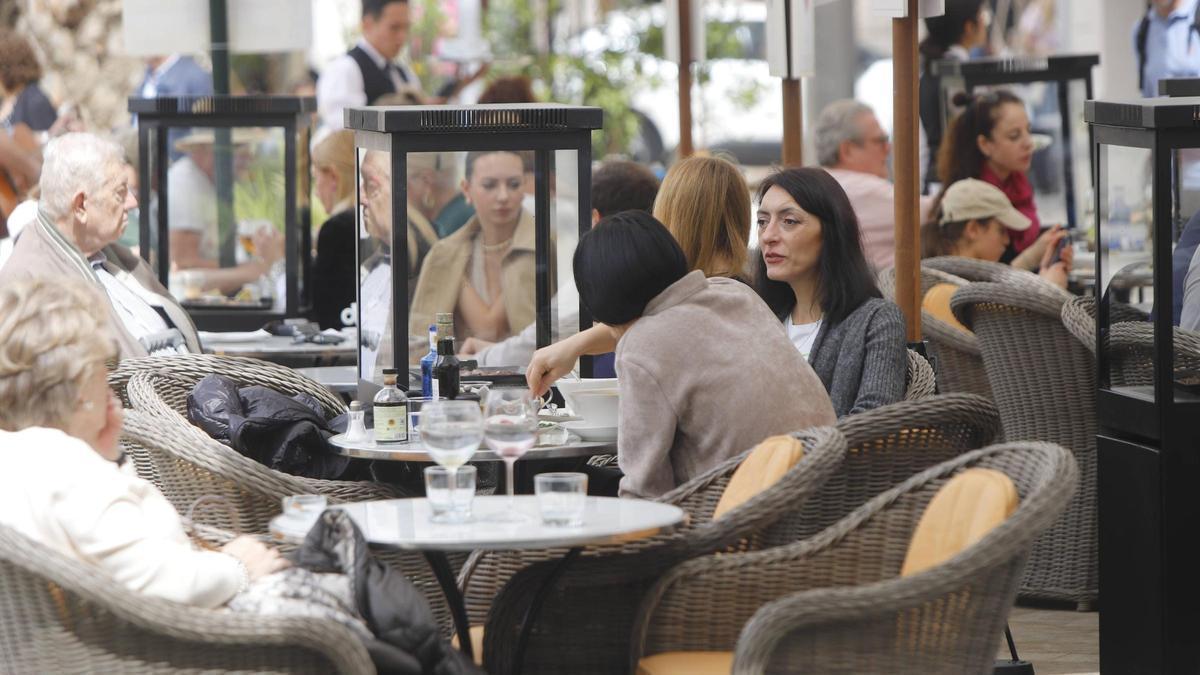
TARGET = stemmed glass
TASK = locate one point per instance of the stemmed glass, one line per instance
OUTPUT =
(510, 429)
(451, 432)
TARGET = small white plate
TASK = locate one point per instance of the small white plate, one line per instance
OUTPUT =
(591, 432)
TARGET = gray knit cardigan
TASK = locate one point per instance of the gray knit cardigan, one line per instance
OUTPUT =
(862, 360)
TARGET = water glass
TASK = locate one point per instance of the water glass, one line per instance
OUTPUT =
(449, 493)
(451, 431)
(561, 498)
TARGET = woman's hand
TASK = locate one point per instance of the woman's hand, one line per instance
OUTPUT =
(1056, 271)
(472, 346)
(1030, 258)
(259, 559)
(550, 363)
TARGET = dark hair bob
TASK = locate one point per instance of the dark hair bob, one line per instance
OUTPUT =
(623, 263)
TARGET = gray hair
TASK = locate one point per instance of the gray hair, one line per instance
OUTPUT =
(75, 162)
(838, 123)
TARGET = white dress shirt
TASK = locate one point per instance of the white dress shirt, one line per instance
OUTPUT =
(341, 85)
(60, 492)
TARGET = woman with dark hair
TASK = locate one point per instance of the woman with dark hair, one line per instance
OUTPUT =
(952, 35)
(813, 275)
(24, 101)
(677, 420)
(991, 141)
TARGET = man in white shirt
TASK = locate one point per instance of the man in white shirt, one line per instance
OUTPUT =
(369, 70)
(854, 149)
(81, 213)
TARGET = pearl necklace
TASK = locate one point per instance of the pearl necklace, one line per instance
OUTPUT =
(494, 248)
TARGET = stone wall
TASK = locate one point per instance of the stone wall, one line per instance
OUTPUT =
(79, 43)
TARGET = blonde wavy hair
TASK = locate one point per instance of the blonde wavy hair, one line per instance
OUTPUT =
(53, 335)
(336, 153)
(705, 204)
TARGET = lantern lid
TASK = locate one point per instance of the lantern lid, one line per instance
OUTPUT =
(1179, 86)
(1058, 67)
(222, 105)
(509, 117)
(1146, 113)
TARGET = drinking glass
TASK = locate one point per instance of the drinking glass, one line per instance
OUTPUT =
(510, 430)
(562, 498)
(450, 492)
(451, 432)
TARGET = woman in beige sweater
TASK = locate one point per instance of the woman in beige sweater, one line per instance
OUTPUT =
(690, 398)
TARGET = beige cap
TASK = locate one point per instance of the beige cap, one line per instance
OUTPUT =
(971, 199)
(239, 136)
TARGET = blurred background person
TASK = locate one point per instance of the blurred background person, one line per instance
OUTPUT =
(854, 149)
(1166, 43)
(24, 101)
(334, 282)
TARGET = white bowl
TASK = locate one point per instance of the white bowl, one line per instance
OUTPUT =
(595, 400)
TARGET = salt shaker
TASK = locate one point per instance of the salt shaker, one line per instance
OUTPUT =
(356, 430)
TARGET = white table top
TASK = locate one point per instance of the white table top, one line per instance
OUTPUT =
(414, 451)
(404, 524)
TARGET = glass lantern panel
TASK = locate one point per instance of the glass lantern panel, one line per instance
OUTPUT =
(374, 307)
(564, 200)
(1125, 240)
(225, 217)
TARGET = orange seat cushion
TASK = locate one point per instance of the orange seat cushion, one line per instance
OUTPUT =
(937, 304)
(967, 507)
(476, 643)
(763, 467)
(687, 663)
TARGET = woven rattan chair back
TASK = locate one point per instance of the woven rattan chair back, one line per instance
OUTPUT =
(61, 616)
(1044, 381)
(959, 365)
(919, 381)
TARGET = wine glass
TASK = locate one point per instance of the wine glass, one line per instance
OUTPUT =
(510, 429)
(451, 432)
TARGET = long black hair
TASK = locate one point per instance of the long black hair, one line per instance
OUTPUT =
(945, 31)
(844, 279)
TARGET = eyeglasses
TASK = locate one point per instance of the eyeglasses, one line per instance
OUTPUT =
(882, 140)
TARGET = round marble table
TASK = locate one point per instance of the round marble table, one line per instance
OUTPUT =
(404, 524)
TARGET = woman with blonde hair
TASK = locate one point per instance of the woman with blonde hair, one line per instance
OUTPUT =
(705, 204)
(66, 483)
(333, 269)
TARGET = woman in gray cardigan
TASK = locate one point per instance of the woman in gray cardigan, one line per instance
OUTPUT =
(812, 273)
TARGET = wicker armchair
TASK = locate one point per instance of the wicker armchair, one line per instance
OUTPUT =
(834, 603)
(920, 381)
(884, 447)
(61, 616)
(585, 621)
(975, 270)
(185, 464)
(1044, 382)
(1131, 342)
(960, 366)
(191, 368)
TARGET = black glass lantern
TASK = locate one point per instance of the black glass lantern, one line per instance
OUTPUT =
(1147, 398)
(471, 213)
(1054, 90)
(223, 187)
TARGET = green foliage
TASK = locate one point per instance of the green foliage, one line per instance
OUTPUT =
(259, 194)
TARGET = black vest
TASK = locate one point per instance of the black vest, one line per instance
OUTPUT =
(376, 81)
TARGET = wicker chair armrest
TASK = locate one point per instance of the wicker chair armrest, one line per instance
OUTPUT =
(920, 381)
(886, 622)
(1033, 295)
(197, 628)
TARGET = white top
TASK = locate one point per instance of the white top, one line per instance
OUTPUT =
(58, 491)
(24, 214)
(376, 294)
(803, 336)
(193, 204)
(341, 85)
(405, 524)
(137, 315)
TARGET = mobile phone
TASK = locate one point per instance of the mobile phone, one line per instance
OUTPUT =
(1058, 249)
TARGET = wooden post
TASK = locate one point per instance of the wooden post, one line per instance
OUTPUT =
(906, 170)
(793, 123)
(685, 79)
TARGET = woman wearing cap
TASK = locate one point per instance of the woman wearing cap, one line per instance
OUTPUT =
(973, 219)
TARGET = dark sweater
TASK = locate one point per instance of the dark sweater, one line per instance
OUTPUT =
(862, 360)
(335, 270)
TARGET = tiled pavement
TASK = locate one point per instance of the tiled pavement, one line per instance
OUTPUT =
(1056, 641)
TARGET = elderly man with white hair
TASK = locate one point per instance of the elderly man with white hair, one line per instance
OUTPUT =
(85, 197)
(854, 149)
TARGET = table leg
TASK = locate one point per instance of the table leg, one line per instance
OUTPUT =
(458, 610)
(535, 607)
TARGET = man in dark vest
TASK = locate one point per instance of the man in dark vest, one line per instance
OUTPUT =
(369, 70)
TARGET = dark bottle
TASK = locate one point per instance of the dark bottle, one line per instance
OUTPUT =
(445, 370)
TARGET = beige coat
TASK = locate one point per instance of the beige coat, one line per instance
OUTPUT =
(42, 252)
(445, 271)
(704, 374)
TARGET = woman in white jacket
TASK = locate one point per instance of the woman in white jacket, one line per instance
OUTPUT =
(64, 481)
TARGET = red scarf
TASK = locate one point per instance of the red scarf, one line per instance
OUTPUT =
(1018, 190)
